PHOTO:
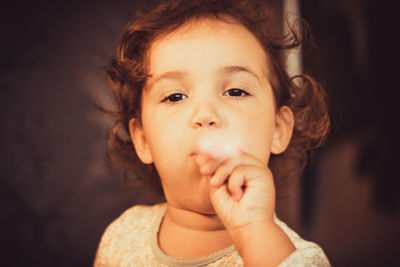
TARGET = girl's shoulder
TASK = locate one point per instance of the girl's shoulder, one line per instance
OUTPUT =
(138, 218)
(139, 214)
(307, 253)
(128, 235)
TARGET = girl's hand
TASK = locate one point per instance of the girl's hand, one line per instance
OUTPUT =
(243, 195)
(241, 190)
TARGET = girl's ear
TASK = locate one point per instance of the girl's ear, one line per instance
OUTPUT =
(139, 141)
(284, 123)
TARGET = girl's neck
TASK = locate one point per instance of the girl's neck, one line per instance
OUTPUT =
(187, 234)
(193, 220)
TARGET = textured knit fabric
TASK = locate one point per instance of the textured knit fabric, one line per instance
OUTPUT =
(131, 240)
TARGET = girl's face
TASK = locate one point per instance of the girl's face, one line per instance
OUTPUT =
(207, 78)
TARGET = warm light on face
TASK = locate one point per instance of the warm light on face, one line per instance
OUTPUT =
(180, 75)
(208, 93)
(220, 145)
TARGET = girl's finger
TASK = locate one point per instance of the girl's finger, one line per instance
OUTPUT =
(236, 182)
(226, 167)
(206, 163)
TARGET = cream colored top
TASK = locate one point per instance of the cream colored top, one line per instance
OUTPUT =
(131, 240)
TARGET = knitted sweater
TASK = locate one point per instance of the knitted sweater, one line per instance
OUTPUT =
(131, 240)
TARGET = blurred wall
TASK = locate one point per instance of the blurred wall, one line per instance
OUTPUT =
(350, 198)
(57, 193)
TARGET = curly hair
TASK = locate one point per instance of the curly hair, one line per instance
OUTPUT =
(127, 75)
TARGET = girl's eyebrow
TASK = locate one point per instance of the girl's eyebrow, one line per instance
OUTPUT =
(169, 75)
(178, 75)
(234, 69)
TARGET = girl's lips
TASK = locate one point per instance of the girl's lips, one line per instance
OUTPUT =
(197, 152)
(218, 145)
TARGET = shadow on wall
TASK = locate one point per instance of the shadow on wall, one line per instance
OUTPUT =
(57, 194)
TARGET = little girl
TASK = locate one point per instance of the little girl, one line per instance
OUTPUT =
(202, 92)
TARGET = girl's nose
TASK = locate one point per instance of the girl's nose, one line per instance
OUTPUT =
(205, 116)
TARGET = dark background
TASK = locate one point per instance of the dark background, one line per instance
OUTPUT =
(57, 193)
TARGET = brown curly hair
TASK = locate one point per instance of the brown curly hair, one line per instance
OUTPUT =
(127, 75)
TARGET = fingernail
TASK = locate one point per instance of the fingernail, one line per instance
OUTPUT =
(213, 181)
(238, 196)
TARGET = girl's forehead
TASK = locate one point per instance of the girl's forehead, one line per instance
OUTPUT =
(205, 25)
(203, 28)
(191, 26)
(207, 41)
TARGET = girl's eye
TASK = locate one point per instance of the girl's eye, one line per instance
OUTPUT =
(174, 98)
(235, 92)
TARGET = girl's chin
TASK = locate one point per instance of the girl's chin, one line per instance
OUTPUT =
(206, 207)
(202, 205)
(207, 210)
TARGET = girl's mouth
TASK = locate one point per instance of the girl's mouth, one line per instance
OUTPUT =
(219, 145)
